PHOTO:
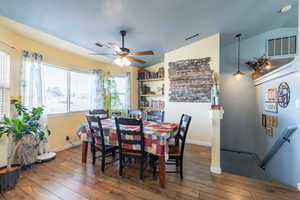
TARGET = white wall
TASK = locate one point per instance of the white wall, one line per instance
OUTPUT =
(200, 128)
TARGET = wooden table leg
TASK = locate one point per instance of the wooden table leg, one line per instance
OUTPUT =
(162, 171)
(84, 151)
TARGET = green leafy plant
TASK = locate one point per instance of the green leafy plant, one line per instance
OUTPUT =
(27, 122)
(112, 99)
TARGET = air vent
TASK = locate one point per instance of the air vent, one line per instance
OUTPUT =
(282, 47)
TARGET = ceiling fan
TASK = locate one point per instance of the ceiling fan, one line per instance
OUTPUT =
(124, 54)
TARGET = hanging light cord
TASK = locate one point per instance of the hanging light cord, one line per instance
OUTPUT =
(239, 48)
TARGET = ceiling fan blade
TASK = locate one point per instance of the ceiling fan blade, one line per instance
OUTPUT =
(140, 53)
(135, 59)
(115, 47)
(99, 44)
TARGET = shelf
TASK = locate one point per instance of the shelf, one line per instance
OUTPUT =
(154, 79)
(152, 95)
(151, 108)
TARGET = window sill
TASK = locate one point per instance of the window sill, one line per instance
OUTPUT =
(67, 114)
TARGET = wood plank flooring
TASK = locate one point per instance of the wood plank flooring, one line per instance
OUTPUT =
(67, 178)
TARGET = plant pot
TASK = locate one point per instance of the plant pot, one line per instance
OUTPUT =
(28, 151)
(9, 178)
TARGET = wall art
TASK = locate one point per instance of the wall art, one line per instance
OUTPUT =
(271, 106)
(190, 80)
(272, 94)
(284, 95)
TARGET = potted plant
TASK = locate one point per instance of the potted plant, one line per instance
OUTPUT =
(23, 131)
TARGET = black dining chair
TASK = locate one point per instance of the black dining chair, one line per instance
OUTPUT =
(176, 151)
(98, 142)
(100, 112)
(155, 115)
(115, 114)
(135, 114)
(131, 137)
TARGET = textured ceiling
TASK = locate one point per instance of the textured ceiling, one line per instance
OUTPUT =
(158, 25)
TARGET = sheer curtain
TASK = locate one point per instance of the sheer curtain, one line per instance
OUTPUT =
(97, 90)
(33, 88)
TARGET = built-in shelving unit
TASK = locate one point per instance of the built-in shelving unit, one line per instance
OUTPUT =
(151, 89)
(152, 79)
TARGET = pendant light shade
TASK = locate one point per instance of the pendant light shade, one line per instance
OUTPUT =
(239, 74)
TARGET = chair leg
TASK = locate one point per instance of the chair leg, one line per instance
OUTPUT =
(181, 168)
(114, 155)
(103, 162)
(121, 165)
(177, 162)
(93, 154)
(142, 168)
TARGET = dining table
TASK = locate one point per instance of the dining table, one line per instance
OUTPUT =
(157, 137)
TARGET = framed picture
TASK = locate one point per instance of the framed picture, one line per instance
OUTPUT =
(272, 94)
(264, 120)
(271, 106)
(269, 131)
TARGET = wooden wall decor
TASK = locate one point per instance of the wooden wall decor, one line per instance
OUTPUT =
(190, 80)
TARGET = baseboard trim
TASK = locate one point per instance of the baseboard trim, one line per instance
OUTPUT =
(201, 143)
(67, 146)
(216, 170)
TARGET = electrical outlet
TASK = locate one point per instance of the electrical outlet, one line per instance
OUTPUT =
(67, 138)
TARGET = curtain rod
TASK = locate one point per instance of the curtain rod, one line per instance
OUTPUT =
(7, 44)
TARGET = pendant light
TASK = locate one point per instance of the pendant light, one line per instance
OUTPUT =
(239, 74)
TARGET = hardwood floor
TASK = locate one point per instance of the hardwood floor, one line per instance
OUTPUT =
(66, 178)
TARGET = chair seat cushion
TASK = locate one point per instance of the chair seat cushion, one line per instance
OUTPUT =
(132, 152)
(107, 147)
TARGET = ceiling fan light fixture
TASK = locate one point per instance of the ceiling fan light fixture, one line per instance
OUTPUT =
(122, 61)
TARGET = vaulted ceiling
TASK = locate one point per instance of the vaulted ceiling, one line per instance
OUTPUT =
(158, 25)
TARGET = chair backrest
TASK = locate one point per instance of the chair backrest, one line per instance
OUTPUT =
(95, 126)
(182, 132)
(135, 114)
(103, 114)
(130, 136)
(155, 115)
(115, 114)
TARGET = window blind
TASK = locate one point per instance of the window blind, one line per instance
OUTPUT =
(4, 80)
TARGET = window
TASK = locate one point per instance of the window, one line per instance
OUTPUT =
(80, 91)
(66, 90)
(56, 87)
(119, 92)
(4, 81)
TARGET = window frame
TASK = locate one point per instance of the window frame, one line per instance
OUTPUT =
(68, 70)
(6, 91)
(69, 90)
(125, 93)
